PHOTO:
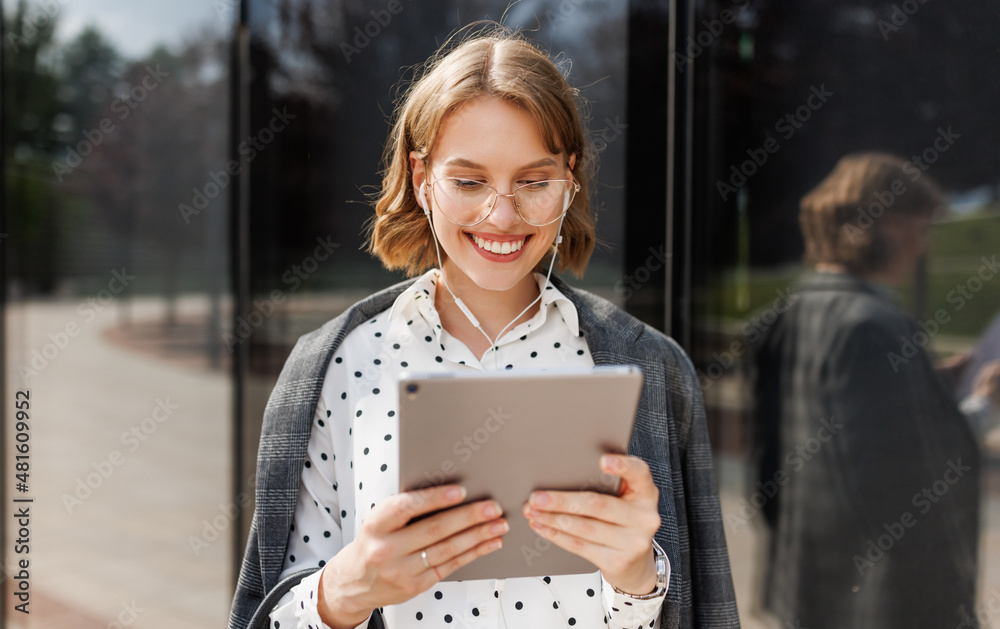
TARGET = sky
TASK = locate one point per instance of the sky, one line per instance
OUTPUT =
(137, 26)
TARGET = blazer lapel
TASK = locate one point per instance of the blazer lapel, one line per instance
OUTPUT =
(288, 419)
(612, 337)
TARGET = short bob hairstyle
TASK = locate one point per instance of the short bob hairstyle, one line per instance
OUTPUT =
(842, 218)
(491, 61)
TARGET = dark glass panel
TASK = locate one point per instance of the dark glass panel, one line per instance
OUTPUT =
(115, 306)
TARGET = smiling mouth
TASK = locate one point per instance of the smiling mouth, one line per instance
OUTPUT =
(501, 248)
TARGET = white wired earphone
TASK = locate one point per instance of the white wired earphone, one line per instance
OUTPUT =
(422, 202)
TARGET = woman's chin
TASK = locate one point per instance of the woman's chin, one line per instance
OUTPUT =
(499, 282)
(492, 279)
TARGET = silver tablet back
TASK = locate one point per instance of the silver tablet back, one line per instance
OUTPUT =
(505, 434)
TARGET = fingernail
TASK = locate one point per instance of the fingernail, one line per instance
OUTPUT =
(611, 462)
(492, 509)
(457, 493)
(539, 499)
(500, 528)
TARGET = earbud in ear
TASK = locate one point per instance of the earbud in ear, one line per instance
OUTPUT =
(422, 198)
(558, 239)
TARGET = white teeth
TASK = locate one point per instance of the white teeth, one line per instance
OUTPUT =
(502, 248)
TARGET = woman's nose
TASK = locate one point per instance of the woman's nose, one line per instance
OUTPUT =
(504, 214)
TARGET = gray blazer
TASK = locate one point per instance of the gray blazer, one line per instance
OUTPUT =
(854, 427)
(669, 434)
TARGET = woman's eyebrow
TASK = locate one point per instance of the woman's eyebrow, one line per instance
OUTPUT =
(465, 163)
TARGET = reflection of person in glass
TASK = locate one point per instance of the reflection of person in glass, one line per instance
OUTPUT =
(486, 177)
(874, 522)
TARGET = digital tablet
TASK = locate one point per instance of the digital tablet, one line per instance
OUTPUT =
(505, 434)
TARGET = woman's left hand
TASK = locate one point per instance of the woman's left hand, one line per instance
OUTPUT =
(613, 532)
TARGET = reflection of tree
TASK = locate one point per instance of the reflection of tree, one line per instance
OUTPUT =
(102, 150)
(315, 168)
(336, 64)
(166, 141)
(30, 109)
(152, 129)
(91, 70)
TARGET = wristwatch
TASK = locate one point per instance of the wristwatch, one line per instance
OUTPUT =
(660, 561)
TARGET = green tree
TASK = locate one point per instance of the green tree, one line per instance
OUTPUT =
(30, 108)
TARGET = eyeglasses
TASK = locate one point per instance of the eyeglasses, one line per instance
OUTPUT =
(466, 202)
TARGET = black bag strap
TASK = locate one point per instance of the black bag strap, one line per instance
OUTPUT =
(262, 617)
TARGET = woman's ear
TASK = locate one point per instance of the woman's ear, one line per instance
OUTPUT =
(572, 161)
(419, 176)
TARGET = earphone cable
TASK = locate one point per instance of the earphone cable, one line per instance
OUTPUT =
(465, 309)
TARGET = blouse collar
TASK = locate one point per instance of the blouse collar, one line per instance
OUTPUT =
(418, 300)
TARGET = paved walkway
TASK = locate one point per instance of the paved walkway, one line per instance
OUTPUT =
(123, 549)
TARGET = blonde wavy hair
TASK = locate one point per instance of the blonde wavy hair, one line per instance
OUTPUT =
(493, 61)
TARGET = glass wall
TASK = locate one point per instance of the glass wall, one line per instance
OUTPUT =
(854, 491)
(117, 391)
(185, 192)
(328, 74)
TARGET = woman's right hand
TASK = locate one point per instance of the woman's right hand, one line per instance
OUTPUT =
(383, 564)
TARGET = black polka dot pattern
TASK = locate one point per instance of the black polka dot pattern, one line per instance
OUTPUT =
(356, 418)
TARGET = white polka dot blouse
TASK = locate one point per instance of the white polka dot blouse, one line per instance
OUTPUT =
(351, 465)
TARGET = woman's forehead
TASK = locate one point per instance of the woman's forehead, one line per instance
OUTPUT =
(489, 132)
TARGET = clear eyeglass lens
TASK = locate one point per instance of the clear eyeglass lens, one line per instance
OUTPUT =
(469, 202)
(464, 202)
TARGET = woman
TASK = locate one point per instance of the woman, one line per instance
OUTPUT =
(486, 177)
(876, 522)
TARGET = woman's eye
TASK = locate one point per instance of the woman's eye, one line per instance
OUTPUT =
(466, 184)
(534, 185)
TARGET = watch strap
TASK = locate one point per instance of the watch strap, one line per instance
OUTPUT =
(660, 562)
